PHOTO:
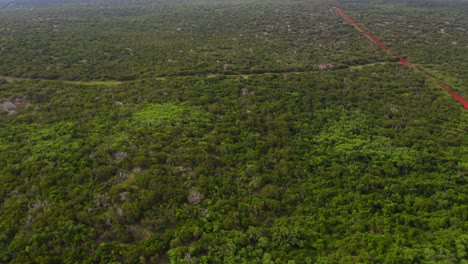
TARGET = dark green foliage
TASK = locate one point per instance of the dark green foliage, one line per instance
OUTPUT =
(261, 161)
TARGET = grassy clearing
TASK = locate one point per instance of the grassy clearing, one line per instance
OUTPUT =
(94, 83)
(86, 83)
(358, 67)
(12, 79)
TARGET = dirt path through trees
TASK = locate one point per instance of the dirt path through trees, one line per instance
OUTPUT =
(213, 75)
(402, 60)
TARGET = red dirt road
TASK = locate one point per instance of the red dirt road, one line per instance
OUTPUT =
(402, 60)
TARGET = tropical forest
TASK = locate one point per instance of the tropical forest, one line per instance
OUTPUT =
(233, 131)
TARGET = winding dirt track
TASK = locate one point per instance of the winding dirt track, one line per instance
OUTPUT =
(402, 60)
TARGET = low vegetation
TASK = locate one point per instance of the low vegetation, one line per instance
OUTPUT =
(205, 132)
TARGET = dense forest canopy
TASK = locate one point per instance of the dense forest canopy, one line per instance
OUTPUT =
(232, 132)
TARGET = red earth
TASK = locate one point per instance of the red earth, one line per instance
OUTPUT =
(402, 60)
